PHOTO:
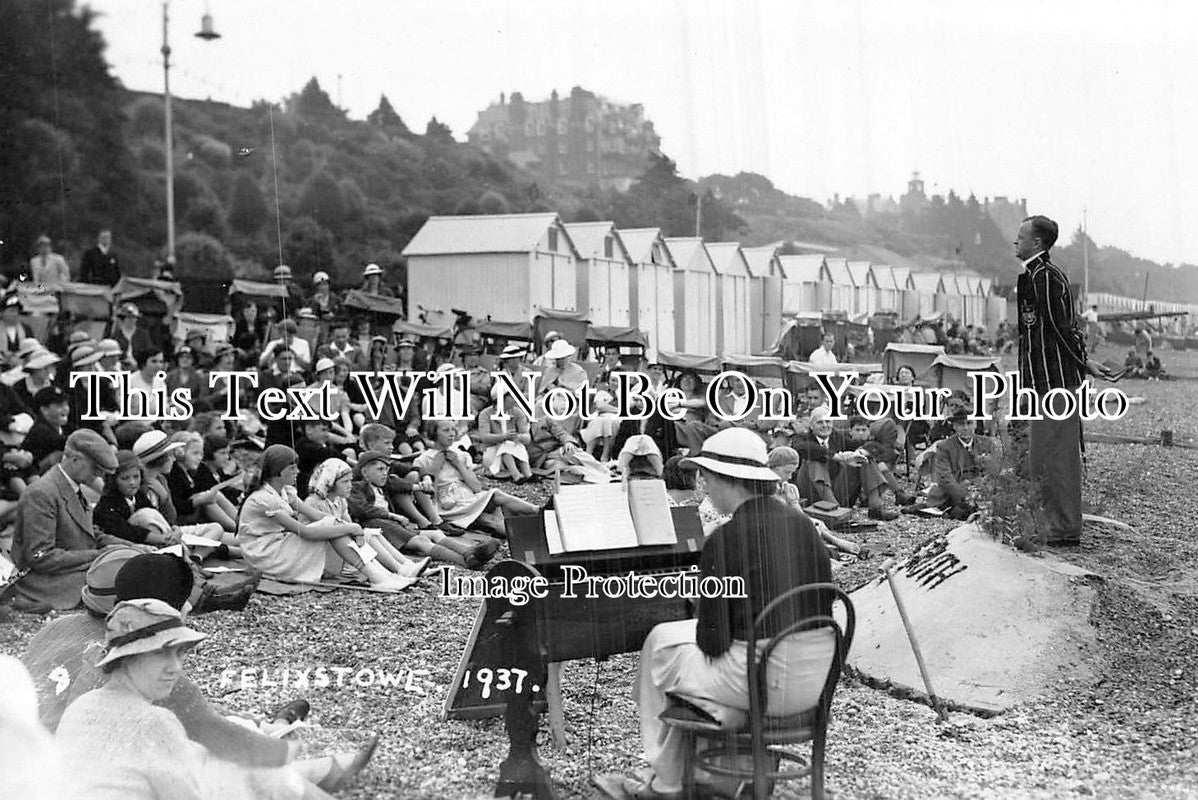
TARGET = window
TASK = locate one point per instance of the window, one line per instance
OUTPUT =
(553, 240)
(608, 247)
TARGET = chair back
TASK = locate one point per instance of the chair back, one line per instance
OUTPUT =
(757, 663)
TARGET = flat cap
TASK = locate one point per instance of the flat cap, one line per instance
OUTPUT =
(371, 456)
(92, 445)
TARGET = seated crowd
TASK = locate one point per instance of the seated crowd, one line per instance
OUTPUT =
(88, 504)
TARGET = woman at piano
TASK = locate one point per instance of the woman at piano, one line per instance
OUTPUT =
(773, 549)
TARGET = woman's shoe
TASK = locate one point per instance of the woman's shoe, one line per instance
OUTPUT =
(642, 789)
(449, 529)
(346, 768)
(416, 568)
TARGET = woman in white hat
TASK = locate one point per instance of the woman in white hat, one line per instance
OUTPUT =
(562, 370)
(323, 301)
(772, 549)
(115, 742)
(506, 440)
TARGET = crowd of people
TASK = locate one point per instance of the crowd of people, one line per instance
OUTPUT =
(119, 515)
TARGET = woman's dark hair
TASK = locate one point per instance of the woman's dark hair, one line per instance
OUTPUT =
(677, 382)
(145, 354)
(902, 367)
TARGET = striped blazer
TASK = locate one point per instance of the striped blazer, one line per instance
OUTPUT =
(1052, 347)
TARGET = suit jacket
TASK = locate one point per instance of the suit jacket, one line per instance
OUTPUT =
(1052, 347)
(102, 268)
(56, 541)
(361, 499)
(810, 449)
(954, 465)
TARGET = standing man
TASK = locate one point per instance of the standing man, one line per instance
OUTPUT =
(823, 355)
(100, 264)
(1052, 355)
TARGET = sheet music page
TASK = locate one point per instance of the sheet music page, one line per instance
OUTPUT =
(594, 517)
(650, 506)
(553, 537)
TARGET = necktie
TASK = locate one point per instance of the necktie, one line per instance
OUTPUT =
(83, 500)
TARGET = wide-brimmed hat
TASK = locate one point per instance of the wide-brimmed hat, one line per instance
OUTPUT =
(282, 272)
(99, 591)
(407, 341)
(306, 313)
(28, 347)
(513, 351)
(735, 452)
(43, 239)
(560, 349)
(154, 444)
(324, 363)
(78, 337)
(372, 269)
(109, 347)
(145, 626)
(41, 359)
(128, 310)
(185, 350)
(319, 278)
(84, 355)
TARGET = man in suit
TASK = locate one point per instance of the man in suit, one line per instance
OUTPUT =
(55, 539)
(1052, 355)
(833, 469)
(99, 264)
(960, 460)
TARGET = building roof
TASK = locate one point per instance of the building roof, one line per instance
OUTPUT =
(639, 243)
(485, 233)
(885, 276)
(862, 274)
(589, 236)
(902, 277)
(928, 282)
(804, 269)
(683, 249)
(763, 260)
(728, 258)
(838, 268)
(987, 286)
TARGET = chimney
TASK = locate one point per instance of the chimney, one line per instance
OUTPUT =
(502, 98)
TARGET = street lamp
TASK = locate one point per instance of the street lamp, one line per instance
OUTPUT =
(206, 33)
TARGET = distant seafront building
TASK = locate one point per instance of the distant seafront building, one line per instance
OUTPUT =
(583, 139)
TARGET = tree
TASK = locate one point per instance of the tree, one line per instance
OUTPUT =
(438, 131)
(662, 198)
(206, 216)
(313, 103)
(202, 256)
(307, 246)
(247, 209)
(385, 117)
(322, 200)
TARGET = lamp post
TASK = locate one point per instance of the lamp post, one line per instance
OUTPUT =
(206, 33)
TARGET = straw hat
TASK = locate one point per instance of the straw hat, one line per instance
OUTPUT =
(84, 355)
(512, 351)
(145, 626)
(99, 592)
(109, 347)
(407, 341)
(560, 349)
(735, 452)
(319, 278)
(28, 347)
(128, 310)
(324, 363)
(372, 269)
(41, 359)
(282, 272)
(154, 444)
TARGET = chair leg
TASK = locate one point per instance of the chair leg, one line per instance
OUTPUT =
(689, 743)
(817, 763)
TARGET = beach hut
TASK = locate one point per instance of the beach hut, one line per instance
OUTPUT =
(733, 318)
(889, 297)
(929, 289)
(953, 305)
(694, 295)
(765, 295)
(865, 296)
(506, 266)
(844, 290)
(650, 286)
(908, 302)
(602, 272)
(807, 285)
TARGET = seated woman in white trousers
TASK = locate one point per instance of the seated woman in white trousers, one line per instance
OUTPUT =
(773, 548)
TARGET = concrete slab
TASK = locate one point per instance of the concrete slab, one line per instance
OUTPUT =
(997, 627)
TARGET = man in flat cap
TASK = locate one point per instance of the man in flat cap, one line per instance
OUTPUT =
(55, 538)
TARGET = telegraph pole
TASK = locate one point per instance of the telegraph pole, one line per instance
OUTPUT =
(1085, 260)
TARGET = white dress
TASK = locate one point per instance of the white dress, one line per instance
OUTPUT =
(270, 547)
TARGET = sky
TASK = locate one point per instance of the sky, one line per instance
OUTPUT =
(1074, 105)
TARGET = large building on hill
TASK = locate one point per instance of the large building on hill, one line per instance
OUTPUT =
(582, 139)
(1007, 214)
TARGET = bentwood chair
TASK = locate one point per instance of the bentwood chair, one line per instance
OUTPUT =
(769, 740)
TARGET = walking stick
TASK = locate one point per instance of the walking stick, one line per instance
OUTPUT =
(923, 668)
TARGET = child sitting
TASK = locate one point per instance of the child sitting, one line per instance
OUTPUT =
(603, 428)
(507, 443)
(412, 493)
(123, 495)
(372, 502)
(460, 495)
(330, 485)
(289, 540)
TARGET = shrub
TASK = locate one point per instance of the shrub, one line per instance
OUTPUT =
(201, 255)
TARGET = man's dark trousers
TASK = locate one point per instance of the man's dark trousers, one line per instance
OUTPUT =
(1055, 454)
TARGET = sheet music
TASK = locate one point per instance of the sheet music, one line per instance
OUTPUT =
(191, 540)
(553, 537)
(650, 506)
(594, 517)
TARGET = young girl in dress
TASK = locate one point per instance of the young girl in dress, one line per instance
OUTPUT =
(506, 441)
(330, 486)
(290, 540)
(460, 495)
